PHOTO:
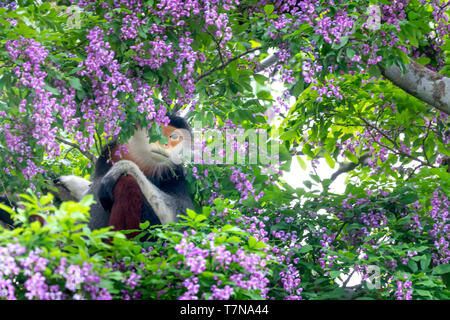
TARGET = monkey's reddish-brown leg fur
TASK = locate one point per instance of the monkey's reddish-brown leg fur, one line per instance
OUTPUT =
(128, 201)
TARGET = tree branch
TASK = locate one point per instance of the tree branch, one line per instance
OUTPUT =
(422, 83)
(395, 149)
(87, 154)
(223, 65)
(266, 63)
(344, 285)
(220, 67)
(423, 143)
(346, 167)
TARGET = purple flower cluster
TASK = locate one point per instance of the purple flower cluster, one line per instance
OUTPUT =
(130, 23)
(192, 286)
(372, 217)
(248, 269)
(195, 257)
(285, 253)
(328, 89)
(409, 254)
(221, 293)
(255, 227)
(10, 5)
(334, 29)
(107, 82)
(80, 282)
(159, 50)
(244, 186)
(45, 106)
(394, 12)
(157, 53)
(291, 282)
(18, 127)
(381, 142)
(9, 268)
(326, 261)
(404, 289)
(441, 227)
(146, 105)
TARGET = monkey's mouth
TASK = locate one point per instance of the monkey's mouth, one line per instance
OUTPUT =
(160, 153)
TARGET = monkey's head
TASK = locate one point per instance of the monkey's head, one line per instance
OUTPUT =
(154, 158)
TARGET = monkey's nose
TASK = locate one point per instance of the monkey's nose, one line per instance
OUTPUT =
(164, 146)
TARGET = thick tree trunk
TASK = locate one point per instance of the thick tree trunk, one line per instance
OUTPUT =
(422, 83)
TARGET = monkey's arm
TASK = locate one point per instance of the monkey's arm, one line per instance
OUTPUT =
(165, 206)
(127, 207)
(71, 188)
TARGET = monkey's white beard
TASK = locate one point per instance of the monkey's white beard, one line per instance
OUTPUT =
(150, 157)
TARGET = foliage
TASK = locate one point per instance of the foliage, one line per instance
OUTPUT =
(77, 74)
(64, 259)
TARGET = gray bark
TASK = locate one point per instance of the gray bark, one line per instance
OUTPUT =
(422, 83)
(347, 167)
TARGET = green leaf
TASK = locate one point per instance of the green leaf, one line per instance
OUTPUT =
(52, 90)
(351, 156)
(289, 135)
(233, 239)
(268, 9)
(252, 242)
(350, 53)
(425, 262)
(412, 265)
(260, 78)
(264, 95)
(144, 225)
(115, 275)
(342, 43)
(408, 198)
(199, 218)
(305, 249)
(307, 150)
(75, 83)
(423, 293)
(442, 269)
(374, 71)
(335, 273)
(423, 61)
(7, 209)
(191, 214)
(329, 160)
(260, 245)
(301, 162)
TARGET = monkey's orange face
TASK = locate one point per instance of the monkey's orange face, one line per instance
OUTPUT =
(162, 152)
(173, 135)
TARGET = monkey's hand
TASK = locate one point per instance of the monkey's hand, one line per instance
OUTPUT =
(109, 181)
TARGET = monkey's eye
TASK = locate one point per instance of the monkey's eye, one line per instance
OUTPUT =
(174, 136)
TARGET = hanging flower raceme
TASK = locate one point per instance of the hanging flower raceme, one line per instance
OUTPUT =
(36, 113)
